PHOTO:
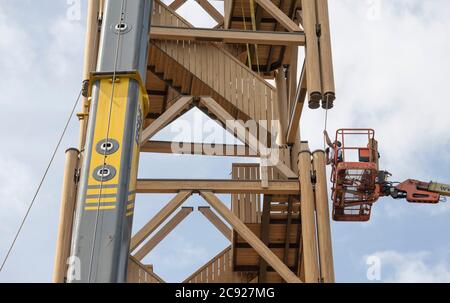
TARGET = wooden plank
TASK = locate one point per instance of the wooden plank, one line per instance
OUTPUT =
(217, 68)
(177, 4)
(290, 187)
(163, 233)
(234, 197)
(210, 62)
(228, 12)
(296, 111)
(211, 10)
(326, 57)
(312, 53)
(265, 230)
(189, 148)
(241, 197)
(256, 243)
(279, 15)
(216, 221)
(323, 218)
(288, 230)
(233, 84)
(282, 106)
(253, 198)
(308, 218)
(159, 218)
(292, 76)
(247, 203)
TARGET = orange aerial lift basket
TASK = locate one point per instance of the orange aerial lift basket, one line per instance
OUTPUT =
(354, 174)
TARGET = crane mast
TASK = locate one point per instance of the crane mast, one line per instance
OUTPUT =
(107, 186)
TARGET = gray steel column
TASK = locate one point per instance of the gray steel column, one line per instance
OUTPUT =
(102, 229)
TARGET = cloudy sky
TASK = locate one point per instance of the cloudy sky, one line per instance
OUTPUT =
(392, 70)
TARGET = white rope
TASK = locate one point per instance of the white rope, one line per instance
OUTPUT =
(325, 129)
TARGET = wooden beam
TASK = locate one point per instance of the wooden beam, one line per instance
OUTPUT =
(226, 36)
(163, 232)
(323, 218)
(256, 27)
(279, 15)
(326, 58)
(216, 221)
(308, 219)
(211, 10)
(282, 103)
(159, 218)
(90, 62)
(287, 235)
(154, 186)
(242, 133)
(265, 229)
(296, 111)
(185, 148)
(167, 117)
(177, 4)
(228, 11)
(251, 238)
(313, 72)
(68, 205)
(292, 77)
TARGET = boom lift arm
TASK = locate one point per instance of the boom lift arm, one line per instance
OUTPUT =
(417, 192)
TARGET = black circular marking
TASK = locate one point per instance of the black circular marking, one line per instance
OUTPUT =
(104, 173)
(107, 147)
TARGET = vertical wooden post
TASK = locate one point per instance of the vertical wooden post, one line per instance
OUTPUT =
(326, 58)
(309, 238)
(90, 59)
(312, 53)
(323, 218)
(68, 199)
(292, 78)
(282, 105)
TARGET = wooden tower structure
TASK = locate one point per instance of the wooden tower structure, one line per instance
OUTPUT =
(145, 66)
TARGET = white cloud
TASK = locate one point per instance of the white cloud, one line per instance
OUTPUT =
(415, 267)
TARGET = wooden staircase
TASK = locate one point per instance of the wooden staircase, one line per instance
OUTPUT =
(196, 68)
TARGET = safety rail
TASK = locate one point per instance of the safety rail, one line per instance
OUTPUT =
(138, 273)
(217, 270)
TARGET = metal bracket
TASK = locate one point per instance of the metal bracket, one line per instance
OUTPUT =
(319, 30)
(313, 177)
